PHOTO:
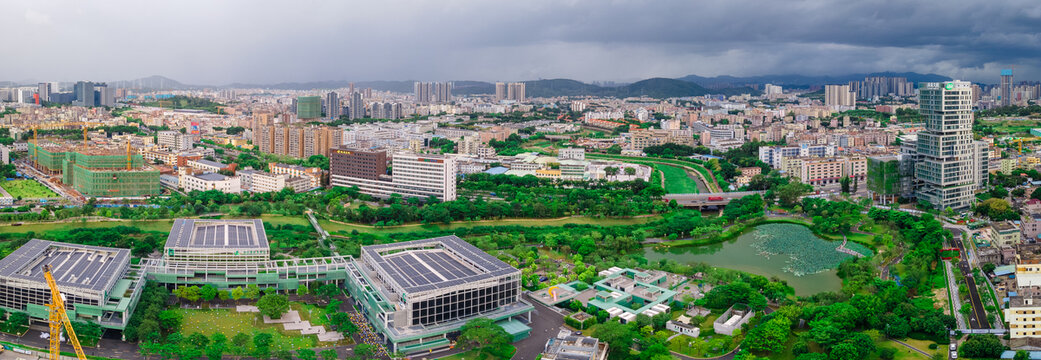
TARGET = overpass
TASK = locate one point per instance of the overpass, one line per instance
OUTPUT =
(708, 199)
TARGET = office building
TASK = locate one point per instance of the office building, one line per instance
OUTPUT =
(416, 292)
(44, 90)
(83, 92)
(217, 240)
(174, 140)
(359, 163)
(96, 282)
(308, 107)
(332, 105)
(770, 89)
(210, 181)
(572, 153)
(1006, 87)
(256, 181)
(312, 174)
(774, 155)
(946, 170)
(415, 175)
(839, 96)
(104, 96)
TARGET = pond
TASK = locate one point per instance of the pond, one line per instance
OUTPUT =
(789, 251)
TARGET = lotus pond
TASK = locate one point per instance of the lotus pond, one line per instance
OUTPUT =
(789, 251)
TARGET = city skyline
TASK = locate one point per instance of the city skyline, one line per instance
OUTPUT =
(582, 40)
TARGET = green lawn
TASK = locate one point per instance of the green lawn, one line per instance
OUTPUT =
(27, 189)
(333, 227)
(230, 322)
(676, 180)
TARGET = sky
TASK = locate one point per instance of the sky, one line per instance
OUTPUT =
(264, 42)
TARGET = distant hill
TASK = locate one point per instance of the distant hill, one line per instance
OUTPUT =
(654, 87)
(154, 82)
(793, 80)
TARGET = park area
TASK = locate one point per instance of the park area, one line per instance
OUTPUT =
(230, 322)
(677, 181)
(27, 189)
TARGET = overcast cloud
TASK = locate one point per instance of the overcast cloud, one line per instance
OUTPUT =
(220, 42)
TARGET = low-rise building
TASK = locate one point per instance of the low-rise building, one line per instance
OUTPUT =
(211, 181)
(732, 319)
(572, 347)
(313, 174)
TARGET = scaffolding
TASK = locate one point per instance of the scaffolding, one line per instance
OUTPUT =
(95, 160)
(115, 182)
(48, 158)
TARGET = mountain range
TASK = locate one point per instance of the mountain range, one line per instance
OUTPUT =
(690, 85)
(802, 81)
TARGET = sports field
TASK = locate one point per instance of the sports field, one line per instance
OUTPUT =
(27, 189)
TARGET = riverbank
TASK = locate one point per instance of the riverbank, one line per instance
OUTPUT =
(739, 229)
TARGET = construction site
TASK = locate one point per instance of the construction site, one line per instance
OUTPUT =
(95, 171)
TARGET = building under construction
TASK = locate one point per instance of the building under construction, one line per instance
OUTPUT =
(97, 172)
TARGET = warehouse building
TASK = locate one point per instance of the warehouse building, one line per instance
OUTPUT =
(97, 282)
(416, 292)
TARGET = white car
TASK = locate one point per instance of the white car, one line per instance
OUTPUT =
(954, 354)
(954, 346)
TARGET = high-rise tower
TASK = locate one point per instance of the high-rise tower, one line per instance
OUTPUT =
(1006, 87)
(947, 167)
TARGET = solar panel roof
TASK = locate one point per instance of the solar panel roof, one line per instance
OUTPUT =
(198, 233)
(429, 264)
(72, 265)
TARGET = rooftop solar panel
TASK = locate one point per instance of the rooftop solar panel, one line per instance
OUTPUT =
(72, 265)
(196, 233)
(430, 264)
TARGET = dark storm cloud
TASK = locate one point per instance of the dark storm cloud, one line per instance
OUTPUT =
(208, 42)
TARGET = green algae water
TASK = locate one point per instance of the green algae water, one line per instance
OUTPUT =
(790, 252)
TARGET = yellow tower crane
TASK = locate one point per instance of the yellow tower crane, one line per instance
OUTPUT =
(58, 318)
(1021, 140)
(36, 145)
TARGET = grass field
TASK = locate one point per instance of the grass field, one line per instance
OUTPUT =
(649, 161)
(27, 189)
(144, 225)
(1011, 126)
(676, 180)
(332, 227)
(230, 322)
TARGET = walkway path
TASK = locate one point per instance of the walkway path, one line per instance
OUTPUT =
(912, 348)
(843, 249)
(952, 288)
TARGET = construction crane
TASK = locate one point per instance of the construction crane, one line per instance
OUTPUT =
(58, 318)
(129, 159)
(36, 145)
(1021, 140)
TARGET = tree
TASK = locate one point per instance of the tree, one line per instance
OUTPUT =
(363, 351)
(252, 291)
(262, 345)
(273, 305)
(485, 335)
(790, 193)
(329, 354)
(169, 319)
(988, 267)
(306, 354)
(283, 354)
(237, 293)
(618, 337)
(844, 182)
(1036, 194)
(208, 292)
(1019, 192)
(614, 149)
(770, 336)
(981, 346)
(1021, 355)
(198, 340)
(302, 290)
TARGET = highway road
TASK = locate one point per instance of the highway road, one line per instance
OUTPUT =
(978, 316)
